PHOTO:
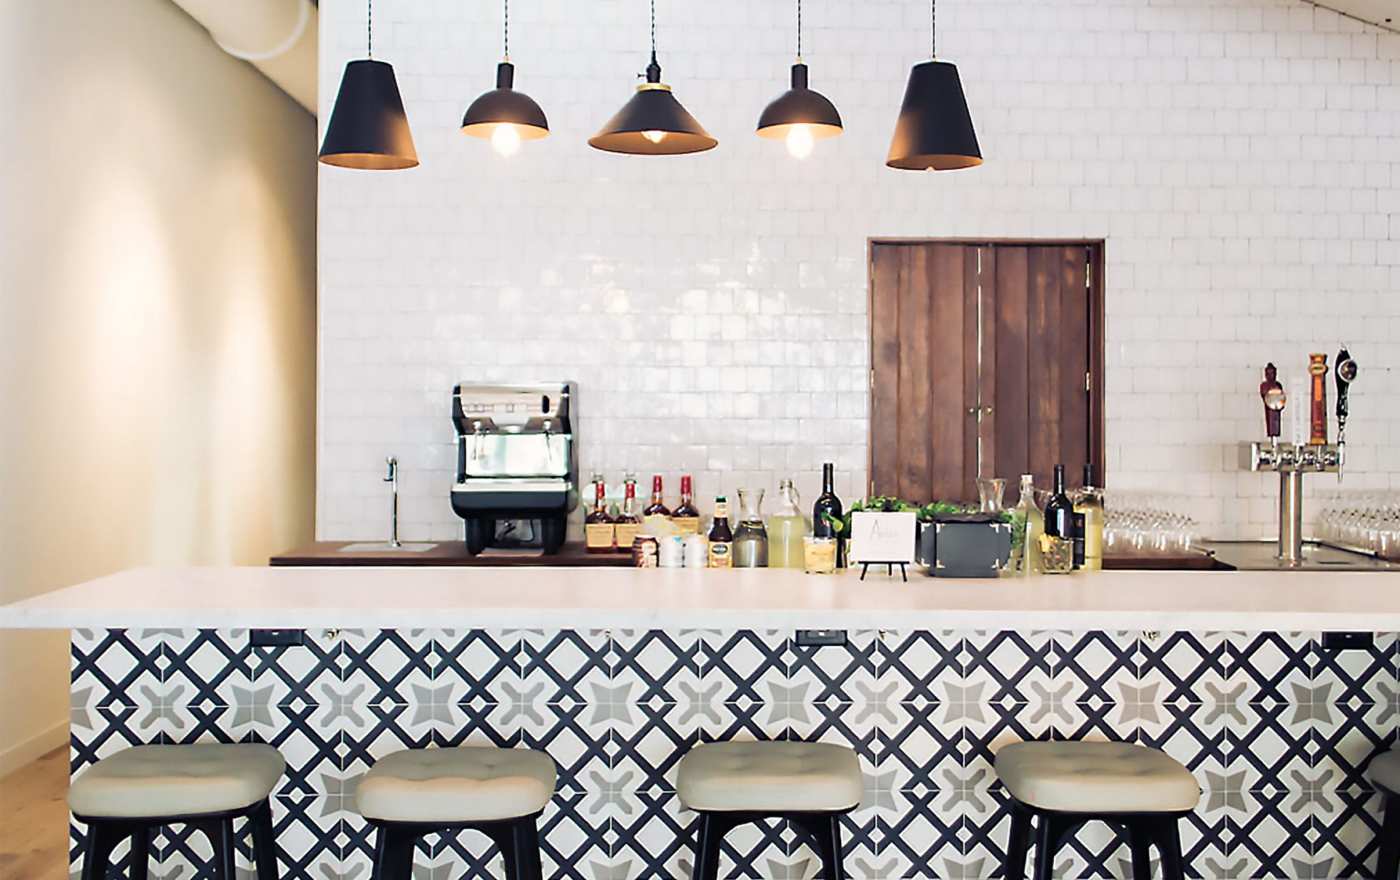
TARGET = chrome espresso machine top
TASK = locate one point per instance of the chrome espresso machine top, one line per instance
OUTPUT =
(516, 458)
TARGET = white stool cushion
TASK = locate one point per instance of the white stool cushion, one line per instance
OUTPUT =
(772, 777)
(457, 785)
(1384, 771)
(1096, 777)
(156, 781)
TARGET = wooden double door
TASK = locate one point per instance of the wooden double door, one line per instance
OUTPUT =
(986, 360)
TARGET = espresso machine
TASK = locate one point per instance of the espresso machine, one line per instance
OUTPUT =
(1292, 460)
(516, 460)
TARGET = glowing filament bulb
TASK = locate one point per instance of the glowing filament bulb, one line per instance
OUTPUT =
(655, 137)
(505, 139)
(800, 141)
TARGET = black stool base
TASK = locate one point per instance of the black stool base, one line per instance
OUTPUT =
(104, 835)
(518, 840)
(1052, 829)
(1388, 861)
(824, 830)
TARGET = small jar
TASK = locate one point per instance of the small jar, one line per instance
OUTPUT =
(644, 551)
(1056, 555)
(697, 551)
(819, 555)
(670, 551)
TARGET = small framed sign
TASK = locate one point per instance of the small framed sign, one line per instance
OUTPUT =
(883, 537)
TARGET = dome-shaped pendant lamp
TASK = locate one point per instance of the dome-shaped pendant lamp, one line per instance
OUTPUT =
(799, 115)
(504, 115)
(934, 131)
(653, 122)
(368, 127)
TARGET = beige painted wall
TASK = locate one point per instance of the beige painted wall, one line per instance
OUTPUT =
(157, 315)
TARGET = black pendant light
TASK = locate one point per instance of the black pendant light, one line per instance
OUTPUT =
(504, 115)
(653, 122)
(368, 127)
(799, 115)
(934, 131)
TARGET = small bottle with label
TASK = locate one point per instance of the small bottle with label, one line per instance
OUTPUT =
(721, 553)
(1089, 504)
(685, 516)
(598, 533)
(626, 524)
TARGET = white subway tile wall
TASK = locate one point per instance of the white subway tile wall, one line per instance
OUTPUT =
(1241, 159)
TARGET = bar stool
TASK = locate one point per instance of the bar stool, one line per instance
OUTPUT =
(1384, 774)
(1063, 785)
(730, 784)
(206, 785)
(499, 792)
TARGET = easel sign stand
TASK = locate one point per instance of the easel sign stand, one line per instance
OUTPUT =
(886, 539)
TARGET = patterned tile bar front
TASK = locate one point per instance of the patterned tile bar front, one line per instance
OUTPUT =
(1276, 727)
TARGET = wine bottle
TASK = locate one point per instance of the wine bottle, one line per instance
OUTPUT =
(721, 552)
(826, 510)
(1089, 503)
(1059, 512)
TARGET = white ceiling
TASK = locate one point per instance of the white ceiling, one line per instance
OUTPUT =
(1385, 13)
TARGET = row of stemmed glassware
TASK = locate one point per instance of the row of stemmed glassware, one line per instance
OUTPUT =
(1140, 523)
(1365, 520)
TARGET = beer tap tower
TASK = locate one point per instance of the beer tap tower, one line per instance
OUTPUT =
(1292, 460)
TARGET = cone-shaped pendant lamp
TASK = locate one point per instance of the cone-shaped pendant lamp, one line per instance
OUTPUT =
(800, 115)
(653, 122)
(504, 115)
(934, 131)
(368, 127)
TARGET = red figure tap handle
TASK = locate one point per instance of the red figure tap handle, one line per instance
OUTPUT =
(1271, 392)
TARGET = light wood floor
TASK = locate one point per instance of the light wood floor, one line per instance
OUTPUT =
(34, 820)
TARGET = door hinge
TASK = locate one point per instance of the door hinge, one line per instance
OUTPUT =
(1088, 381)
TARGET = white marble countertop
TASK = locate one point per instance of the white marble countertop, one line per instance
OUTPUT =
(585, 598)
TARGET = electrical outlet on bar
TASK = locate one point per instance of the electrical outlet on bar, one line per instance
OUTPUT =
(820, 638)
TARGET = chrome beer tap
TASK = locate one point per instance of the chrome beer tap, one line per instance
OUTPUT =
(1291, 460)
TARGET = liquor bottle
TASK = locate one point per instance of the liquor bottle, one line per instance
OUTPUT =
(657, 507)
(721, 553)
(826, 509)
(627, 523)
(685, 516)
(1035, 527)
(1059, 512)
(598, 533)
(1089, 503)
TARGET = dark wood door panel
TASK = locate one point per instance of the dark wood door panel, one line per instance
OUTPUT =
(1005, 330)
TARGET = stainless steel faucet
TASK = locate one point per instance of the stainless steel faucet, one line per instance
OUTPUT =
(392, 477)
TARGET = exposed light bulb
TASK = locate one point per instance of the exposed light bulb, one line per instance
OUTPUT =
(800, 141)
(505, 139)
(654, 136)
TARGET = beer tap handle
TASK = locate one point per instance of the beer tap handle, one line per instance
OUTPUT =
(1271, 392)
(1344, 373)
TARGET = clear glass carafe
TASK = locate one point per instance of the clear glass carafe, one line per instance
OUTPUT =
(750, 536)
(786, 529)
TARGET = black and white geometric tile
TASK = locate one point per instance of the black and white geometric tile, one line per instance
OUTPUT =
(1276, 728)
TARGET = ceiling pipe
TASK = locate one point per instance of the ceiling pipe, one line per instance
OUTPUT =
(278, 37)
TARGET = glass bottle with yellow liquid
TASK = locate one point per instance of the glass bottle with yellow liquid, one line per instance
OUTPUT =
(1029, 512)
(786, 529)
(1089, 502)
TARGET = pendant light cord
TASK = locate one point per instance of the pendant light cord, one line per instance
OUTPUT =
(799, 30)
(653, 31)
(369, 28)
(933, 29)
(506, 28)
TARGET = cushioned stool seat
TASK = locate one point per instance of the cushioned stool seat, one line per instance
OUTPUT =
(469, 784)
(769, 777)
(163, 781)
(499, 792)
(1384, 774)
(730, 784)
(1096, 777)
(205, 786)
